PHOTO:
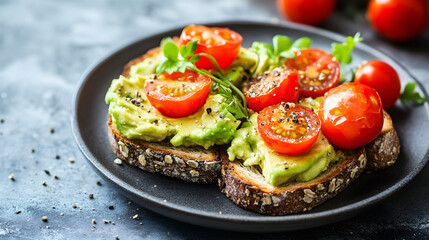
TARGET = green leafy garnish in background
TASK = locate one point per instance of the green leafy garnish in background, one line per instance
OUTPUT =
(179, 59)
(342, 52)
(282, 49)
(410, 96)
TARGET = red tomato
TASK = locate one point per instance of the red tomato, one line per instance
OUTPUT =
(177, 94)
(383, 78)
(398, 20)
(222, 44)
(288, 128)
(271, 88)
(318, 71)
(351, 115)
(311, 12)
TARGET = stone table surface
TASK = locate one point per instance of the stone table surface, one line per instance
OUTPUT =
(45, 46)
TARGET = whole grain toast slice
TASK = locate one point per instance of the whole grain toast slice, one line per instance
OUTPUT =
(192, 164)
(247, 188)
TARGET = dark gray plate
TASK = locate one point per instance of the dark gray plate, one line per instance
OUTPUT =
(204, 204)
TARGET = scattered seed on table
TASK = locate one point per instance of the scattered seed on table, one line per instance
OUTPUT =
(44, 183)
(106, 221)
(93, 221)
(116, 238)
(2, 120)
(91, 196)
(32, 150)
(111, 207)
(118, 161)
(47, 172)
(52, 130)
(44, 218)
(62, 214)
(71, 160)
(18, 212)
(98, 183)
(136, 217)
(11, 177)
(56, 176)
(58, 157)
(74, 205)
(47, 227)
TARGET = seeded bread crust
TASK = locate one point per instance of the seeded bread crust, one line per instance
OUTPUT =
(247, 188)
(384, 150)
(192, 164)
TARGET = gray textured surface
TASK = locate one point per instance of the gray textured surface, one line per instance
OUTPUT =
(45, 46)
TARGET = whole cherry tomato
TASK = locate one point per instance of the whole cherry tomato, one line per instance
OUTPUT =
(310, 12)
(271, 88)
(177, 94)
(383, 78)
(351, 115)
(288, 128)
(222, 44)
(398, 20)
(318, 71)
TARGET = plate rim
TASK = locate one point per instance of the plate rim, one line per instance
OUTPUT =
(126, 188)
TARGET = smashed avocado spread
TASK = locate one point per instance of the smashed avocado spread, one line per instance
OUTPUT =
(278, 168)
(135, 118)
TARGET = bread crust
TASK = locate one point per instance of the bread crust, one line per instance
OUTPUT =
(246, 187)
(194, 164)
(385, 149)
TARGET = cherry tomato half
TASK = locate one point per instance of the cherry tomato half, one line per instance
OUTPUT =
(222, 44)
(177, 94)
(398, 20)
(289, 128)
(318, 71)
(271, 88)
(311, 12)
(383, 78)
(351, 115)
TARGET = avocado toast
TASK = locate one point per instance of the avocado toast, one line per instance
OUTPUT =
(254, 182)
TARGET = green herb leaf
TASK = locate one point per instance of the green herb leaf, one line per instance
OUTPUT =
(172, 63)
(348, 75)
(288, 54)
(282, 49)
(342, 51)
(263, 48)
(195, 58)
(410, 96)
(170, 49)
(301, 43)
(281, 44)
(189, 49)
